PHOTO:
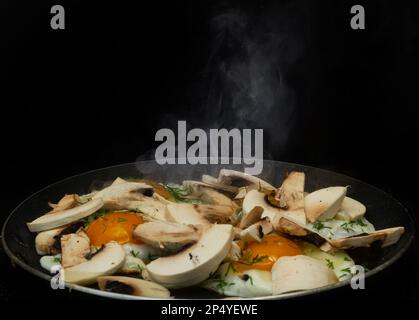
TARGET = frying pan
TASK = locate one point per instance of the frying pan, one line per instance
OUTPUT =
(382, 210)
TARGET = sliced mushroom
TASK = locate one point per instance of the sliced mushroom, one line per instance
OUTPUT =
(290, 197)
(105, 262)
(61, 218)
(237, 178)
(283, 225)
(132, 286)
(324, 204)
(121, 192)
(147, 205)
(251, 217)
(167, 236)
(254, 199)
(184, 213)
(118, 180)
(44, 241)
(300, 273)
(351, 209)
(213, 182)
(387, 237)
(75, 247)
(234, 253)
(215, 213)
(256, 231)
(196, 263)
(67, 202)
(207, 194)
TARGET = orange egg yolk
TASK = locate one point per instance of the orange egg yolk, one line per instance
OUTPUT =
(262, 255)
(116, 226)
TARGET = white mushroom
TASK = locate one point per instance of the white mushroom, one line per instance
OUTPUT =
(256, 231)
(213, 182)
(324, 204)
(184, 213)
(387, 237)
(121, 192)
(105, 262)
(44, 241)
(167, 236)
(207, 194)
(194, 264)
(67, 202)
(254, 199)
(351, 210)
(300, 272)
(147, 205)
(75, 247)
(251, 217)
(132, 286)
(189, 213)
(232, 177)
(290, 197)
(283, 225)
(61, 218)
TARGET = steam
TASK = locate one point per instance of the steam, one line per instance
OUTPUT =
(245, 82)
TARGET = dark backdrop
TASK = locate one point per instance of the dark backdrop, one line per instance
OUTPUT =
(94, 94)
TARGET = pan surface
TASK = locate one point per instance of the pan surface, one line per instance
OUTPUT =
(382, 210)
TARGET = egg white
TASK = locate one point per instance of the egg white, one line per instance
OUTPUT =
(247, 284)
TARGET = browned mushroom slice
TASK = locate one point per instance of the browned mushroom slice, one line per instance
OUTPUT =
(167, 236)
(74, 248)
(387, 237)
(256, 231)
(283, 225)
(215, 213)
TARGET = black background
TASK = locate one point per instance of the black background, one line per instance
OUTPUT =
(94, 94)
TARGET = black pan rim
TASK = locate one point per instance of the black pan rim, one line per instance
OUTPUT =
(14, 259)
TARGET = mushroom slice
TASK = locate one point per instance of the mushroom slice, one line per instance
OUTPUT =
(105, 262)
(113, 194)
(196, 263)
(324, 204)
(251, 217)
(300, 273)
(118, 180)
(61, 218)
(256, 231)
(207, 194)
(74, 248)
(254, 199)
(132, 286)
(213, 183)
(44, 241)
(188, 213)
(233, 177)
(283, 225)
(387, 237)
(234, 253)
(67, 202)
(149, 206)
(167, 236)
(290, 197)
(184, 213)
(215, 213)
(351, 209)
